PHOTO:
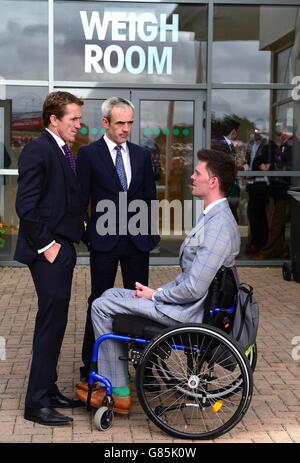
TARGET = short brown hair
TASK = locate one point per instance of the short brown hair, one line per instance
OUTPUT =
(221, 165)
(55, 104)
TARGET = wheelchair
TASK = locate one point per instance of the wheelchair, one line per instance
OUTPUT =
(204, 380)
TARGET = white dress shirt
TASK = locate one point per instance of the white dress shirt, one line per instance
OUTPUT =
(229, 143)
(211, 205)
(111, 145)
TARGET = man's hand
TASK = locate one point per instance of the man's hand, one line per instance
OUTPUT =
(52, 252)
(143, 291)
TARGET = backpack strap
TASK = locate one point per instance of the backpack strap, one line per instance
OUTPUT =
(248, 289)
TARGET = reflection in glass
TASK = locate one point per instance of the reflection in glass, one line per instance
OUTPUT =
(167, 130)
(24, 39)
(9, 221)
(26, 121)
(255, 43)
(91, 127)
(266, 140)
(129, 42)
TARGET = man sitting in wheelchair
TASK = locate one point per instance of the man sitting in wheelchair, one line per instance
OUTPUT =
(213, 242)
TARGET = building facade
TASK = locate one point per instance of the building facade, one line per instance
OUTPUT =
(196, 71)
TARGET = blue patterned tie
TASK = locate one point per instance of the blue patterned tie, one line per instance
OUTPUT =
(69, 157)
(120, 168)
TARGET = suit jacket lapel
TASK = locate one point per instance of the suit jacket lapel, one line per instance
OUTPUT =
(69, 175)
(133, 164)
(198, 228)
(192, 233)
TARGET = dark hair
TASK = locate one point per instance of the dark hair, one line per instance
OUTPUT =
(55, 104)
(221, 165)
(230, 124)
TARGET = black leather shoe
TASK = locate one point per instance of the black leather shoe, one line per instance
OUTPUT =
(47, 416)
(151, 384)
(60, 401)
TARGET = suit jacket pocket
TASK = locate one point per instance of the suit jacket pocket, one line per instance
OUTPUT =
(65, 256)
(44, 211)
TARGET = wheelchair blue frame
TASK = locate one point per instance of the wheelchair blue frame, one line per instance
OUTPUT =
(93, 376)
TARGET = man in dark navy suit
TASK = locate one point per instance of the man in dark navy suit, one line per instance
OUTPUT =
(113, 171)
(49, 205)
(224, 142)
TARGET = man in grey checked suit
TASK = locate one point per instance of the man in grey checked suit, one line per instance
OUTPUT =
(213, 242)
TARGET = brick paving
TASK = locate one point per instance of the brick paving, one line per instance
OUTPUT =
(274, 414)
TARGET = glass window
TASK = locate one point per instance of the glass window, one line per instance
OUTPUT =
(167, 130)
(8, 218)
(129, 43)
(249, 43)
(22, 110)
(24, 40)
(263, 137)
(285, 70)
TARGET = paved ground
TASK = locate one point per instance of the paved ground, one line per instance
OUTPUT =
(274, 415)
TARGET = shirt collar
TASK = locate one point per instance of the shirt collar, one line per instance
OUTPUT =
(229, 142)
(58, 140)
(210, 206)
(111, 144)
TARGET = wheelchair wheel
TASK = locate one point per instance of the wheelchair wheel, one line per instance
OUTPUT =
(103, 418)
(195, 365)
(223, 392)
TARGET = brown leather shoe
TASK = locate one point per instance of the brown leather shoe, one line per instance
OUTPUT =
(83, 385)
(122, 405)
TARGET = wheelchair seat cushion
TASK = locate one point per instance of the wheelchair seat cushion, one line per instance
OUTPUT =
(138, 327)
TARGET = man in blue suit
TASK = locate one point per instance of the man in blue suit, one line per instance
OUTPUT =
(50, 209)
(113, 171)
(213, 242)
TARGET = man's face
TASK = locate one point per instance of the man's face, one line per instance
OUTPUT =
(201, 181)
(233, 134)
(119, 126)
(257, 135)
(68, 126)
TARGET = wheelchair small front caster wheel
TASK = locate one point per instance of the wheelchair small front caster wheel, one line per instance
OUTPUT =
(103, 418)
(287, 271)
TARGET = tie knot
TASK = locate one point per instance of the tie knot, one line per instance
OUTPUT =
(118, 148)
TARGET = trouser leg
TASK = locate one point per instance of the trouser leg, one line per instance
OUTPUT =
(53, 287)
(103, 267)
(112, 302)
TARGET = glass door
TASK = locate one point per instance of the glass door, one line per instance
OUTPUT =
(8, 218)
(170, 125)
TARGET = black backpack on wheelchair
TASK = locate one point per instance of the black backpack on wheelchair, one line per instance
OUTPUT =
(232, 307)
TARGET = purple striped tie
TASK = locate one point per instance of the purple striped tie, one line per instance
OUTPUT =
(69, 157)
